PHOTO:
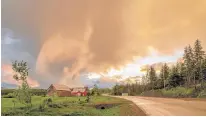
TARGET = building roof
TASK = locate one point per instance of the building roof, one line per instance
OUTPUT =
(79, 89)
(61, 87)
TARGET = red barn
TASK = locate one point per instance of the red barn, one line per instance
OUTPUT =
(64, 91)
(79, 91)
(59, 90)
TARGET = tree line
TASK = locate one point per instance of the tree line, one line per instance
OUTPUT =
(190, 72)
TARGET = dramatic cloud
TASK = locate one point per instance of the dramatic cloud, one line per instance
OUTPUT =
(7, 77)
(97, 36)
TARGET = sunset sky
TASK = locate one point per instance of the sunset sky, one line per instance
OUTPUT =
(82, 42)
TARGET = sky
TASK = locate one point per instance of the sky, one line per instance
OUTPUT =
(76, 43)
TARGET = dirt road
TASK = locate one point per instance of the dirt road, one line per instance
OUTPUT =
(169, 106)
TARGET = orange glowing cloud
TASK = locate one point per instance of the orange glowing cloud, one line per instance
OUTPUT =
(100, 35)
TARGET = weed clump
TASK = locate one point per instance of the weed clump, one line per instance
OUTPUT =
(45, 103)
(55, 105)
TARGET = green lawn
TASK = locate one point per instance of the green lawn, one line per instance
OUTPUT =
(72, 106)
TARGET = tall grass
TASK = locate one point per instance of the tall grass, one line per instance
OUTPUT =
(177, 92)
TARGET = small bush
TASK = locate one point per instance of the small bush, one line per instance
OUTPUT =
(50, 100)
(9, 95)
(202, 94)
(41, 107)
(55, 105)
(47, 101)
(88, 99)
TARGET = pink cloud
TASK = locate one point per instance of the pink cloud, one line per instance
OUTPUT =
(7, 77)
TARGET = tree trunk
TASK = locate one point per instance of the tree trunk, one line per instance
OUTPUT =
(194, 80)
(164, 84)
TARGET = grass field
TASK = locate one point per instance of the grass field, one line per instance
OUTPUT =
(72, 106)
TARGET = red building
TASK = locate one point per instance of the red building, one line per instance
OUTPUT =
(65, 91)
(79, 91)
(59, 90)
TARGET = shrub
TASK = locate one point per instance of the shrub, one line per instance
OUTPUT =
(178, 92)
(175, 80)
(9, 95)
(41, 107)
(152, 93)
(47, 101)
(202, 94)
(88, 99)
(55, 105)
(80, 102)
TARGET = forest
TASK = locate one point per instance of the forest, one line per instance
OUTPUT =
(184, 79)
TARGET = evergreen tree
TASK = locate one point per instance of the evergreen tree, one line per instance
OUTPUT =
(174, 78)
(198, 59)
(164, 74)
(144, 80)
(182, 71)
(147, 74)
(152, 76)
(174, 70)
(189, 63)
(203, 72)
(198, 51)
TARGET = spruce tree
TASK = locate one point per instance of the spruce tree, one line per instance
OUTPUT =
(198, 59)
(174, 78)
(204, 70)
(164, 73)
(152, 76)
(198, 51)
(182, 71)
(189, 63)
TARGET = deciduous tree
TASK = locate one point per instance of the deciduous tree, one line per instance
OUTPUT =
(23, 94)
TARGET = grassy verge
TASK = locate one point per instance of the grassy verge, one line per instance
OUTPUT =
(72, 106)
(178, 92)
